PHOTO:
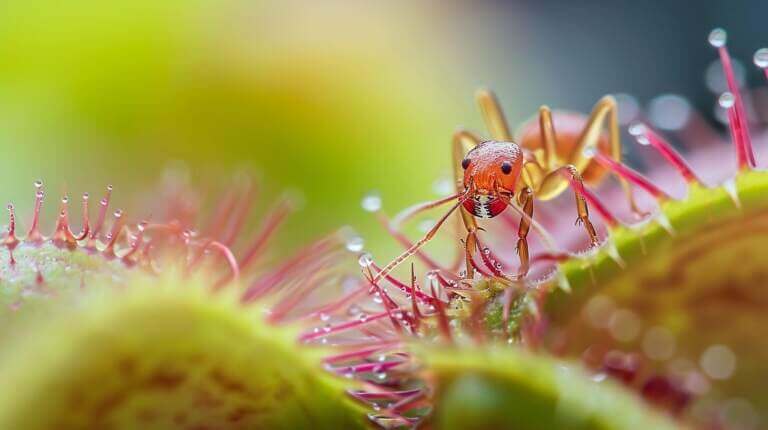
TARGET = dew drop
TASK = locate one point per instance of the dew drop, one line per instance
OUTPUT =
(65, 199)
(637, 129)
(118, 213)
(599, 310)
(659, 343)
(110, 187)
(628, 106)
(624, 325)
(354, 310)
(371, 202)
(726, 100)
(324, 317)
(761, 58)
(442, 187)
(669, 112)
(377, 299)
(486, 251)
(355, 244)
(86, 196)
(363, 317)
(718, 37)
(349, 284)
(718, 362)
(38, 184)
(589, 152)
(431, 276)
(365, 260)
(327, 328)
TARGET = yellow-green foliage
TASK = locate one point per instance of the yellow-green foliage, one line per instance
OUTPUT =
(705, 283)
(163, 353)
(507, 388)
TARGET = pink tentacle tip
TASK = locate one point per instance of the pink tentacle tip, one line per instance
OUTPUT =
(11, 241)
(644, 135)
(737, 114)
(761, 60)
(33, 235)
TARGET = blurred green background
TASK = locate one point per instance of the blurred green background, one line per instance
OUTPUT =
(330, 98)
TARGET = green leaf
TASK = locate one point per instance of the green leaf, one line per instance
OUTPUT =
(505, 387)
(163, 353)
(704, 284)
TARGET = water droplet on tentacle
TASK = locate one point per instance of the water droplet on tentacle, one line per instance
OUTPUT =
(355, 244)
(365, 260)
(761, 58)
(718, 37)
(726, 100)
(371, 202)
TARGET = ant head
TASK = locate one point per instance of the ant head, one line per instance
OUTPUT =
(492, 166)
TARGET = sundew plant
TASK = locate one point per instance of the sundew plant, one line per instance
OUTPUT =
(583, 294)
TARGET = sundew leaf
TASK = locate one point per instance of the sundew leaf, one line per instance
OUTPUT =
(704, 284)
(502, 387)
(163, 352)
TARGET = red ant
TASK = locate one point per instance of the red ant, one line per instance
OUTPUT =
(493, 174)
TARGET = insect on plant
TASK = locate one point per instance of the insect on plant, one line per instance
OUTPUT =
(493, 174)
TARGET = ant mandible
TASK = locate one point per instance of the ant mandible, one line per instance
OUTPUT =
(493, 174)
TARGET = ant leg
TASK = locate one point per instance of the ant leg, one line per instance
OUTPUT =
(525, 198)
(547, 130)
(493, 115)
(605, 108)
(463, 141)
(410, 212)
(416, 246)
(574, 179)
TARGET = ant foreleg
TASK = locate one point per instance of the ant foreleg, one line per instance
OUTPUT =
(463, 141)
(525, 198)
(416, 246)
(470, 246)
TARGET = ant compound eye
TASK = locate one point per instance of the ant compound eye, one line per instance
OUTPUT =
(465, 163)
(506, 167)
